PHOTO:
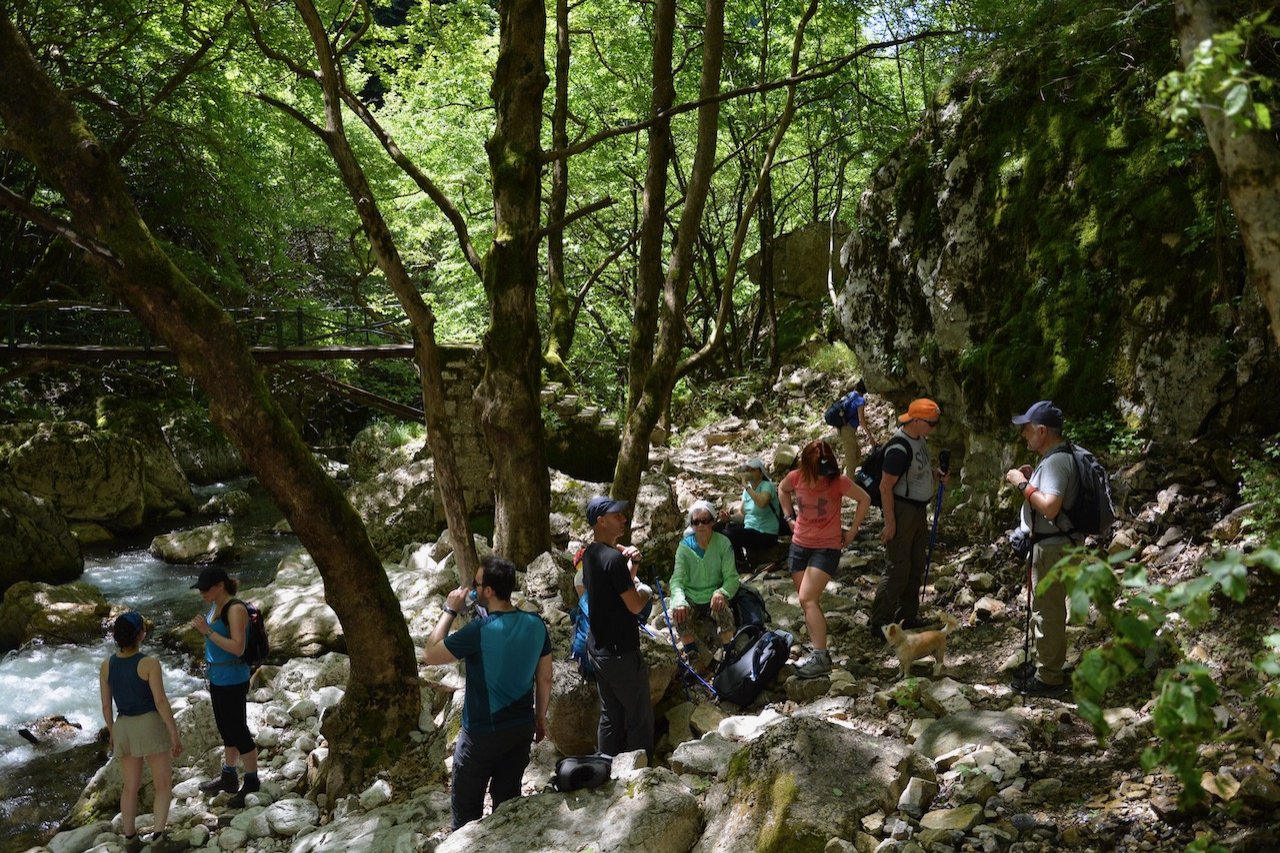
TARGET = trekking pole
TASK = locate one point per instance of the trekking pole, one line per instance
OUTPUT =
(944, 464)
(1026, 631)
(687, 668)
(680, 658)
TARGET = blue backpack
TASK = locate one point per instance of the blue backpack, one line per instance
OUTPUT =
(578, 648)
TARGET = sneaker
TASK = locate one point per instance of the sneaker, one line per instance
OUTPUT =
(817, 663)
(133, 843)
(1035, 687)
(225, 782)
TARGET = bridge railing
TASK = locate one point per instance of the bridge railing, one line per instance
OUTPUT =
(91, 325)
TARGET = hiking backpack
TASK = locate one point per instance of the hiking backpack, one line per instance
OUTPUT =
(752, 663)
(581, 771)
(256, 645)
(748, 607)
(872, 469)
(1092, 512)
(578, 647)
(784, 526)
(834, 415)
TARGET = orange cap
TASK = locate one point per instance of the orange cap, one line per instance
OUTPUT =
(922, 410)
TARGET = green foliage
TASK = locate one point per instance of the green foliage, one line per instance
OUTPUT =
(837, 360)
(1222, 76)
(1105, 433)
(1142, 616)
(1260, 485)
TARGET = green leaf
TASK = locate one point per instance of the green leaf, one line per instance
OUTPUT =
(1236, 99)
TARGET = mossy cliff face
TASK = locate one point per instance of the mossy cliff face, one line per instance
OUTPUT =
(1040, 236)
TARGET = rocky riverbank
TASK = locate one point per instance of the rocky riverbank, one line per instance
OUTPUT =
(860, 760)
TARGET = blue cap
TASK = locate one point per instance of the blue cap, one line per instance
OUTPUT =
(1044, 413)
(600, 505)
(134, 618)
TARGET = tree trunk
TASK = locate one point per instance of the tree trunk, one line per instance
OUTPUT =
(633, 457)
(381, 703)
(560, 313)
(1249, 160)
(511, 411)
(387, 256)
(653, 204)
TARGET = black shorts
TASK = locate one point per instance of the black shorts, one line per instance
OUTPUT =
(800, 558)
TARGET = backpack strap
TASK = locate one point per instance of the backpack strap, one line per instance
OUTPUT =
(223, 614)
(899, 441)
(1070, 532)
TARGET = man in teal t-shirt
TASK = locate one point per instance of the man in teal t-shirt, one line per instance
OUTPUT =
(508, 658)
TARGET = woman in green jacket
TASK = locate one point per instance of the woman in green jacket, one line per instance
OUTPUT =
(704, 581)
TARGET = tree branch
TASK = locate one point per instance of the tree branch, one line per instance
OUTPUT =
(601, 204)
(49, 222)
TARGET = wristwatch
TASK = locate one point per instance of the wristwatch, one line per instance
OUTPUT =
(1023, 485)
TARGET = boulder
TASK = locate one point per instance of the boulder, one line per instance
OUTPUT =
(299, 622)
(165, 488)
(35, 542)
(574, 710)
(653, 810)
(969, 727)
(803, 782)
(66, 613)
(398, 507)
(207, 544)
(229, 504)
(88, 475)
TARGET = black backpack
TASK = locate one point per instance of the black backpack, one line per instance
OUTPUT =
(752, 663)
(872, 469)
(1092, 512)
(256, 645)
(834, 415)
(784, 526)
(581, 771)
(748, 607)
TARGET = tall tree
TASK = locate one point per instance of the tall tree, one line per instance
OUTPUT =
(657, 378)
(511, 411)
(381, 704)
(1247, 154)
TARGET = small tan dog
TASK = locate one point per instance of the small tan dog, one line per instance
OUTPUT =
(911, 647)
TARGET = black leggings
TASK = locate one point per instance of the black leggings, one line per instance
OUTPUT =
(229, 713)
(746, 539)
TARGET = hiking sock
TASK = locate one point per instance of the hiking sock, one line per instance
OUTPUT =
(226, 781)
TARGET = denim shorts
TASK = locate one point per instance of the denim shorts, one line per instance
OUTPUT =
(800, 558)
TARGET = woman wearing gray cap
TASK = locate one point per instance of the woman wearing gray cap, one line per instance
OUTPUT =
(761, 513)
(225, 629)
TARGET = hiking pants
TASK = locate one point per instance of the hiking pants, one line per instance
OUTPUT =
(626, 712)
(852, 449)
(898, 595)
(1050, 620)
(492, 761)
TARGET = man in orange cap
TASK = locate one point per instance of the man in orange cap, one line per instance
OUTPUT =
(906, 486)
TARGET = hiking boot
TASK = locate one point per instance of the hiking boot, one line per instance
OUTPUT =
(250, 786)
(816, 664)
(877, 632)
(133, 843)
(162, 843)
(1033, 686)
(225, 782)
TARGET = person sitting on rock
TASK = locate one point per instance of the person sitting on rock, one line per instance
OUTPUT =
(142, 728)
(703, 582)
(508, 671)
(761, 510)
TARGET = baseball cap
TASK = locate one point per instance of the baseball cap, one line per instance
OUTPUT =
(1044, 413)
(601, 505)
(922, 409)
(210, 577)
(758, 464)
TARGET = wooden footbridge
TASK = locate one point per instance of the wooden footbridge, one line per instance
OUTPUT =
(37, 337)
(88, 334)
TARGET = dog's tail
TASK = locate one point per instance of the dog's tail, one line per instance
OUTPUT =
(949, 623)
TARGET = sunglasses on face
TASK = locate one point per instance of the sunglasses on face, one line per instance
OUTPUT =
(930, 423)
(698, 522)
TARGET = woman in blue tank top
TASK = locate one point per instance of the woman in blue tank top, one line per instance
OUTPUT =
(141, 728)
(224, 626)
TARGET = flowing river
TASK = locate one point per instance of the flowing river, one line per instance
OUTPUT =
(39, 783)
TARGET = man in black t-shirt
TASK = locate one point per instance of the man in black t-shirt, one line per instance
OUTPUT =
(614, 596)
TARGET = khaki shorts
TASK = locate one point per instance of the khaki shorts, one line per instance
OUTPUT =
(140, 736)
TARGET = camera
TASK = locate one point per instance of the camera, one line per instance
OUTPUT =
(1020, 543)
